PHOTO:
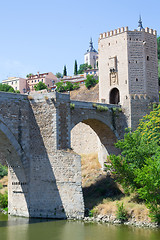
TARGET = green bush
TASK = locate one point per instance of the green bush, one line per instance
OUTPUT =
(84, 67)
(3, 171)
(102, 108)
(137, 168)
(68, 86)
(114, 109)
(72, 106)
(76, 86)
(40, 86)
(60, 87)
(90, 81)
(8, 88)
(3, 200)
(121, 213)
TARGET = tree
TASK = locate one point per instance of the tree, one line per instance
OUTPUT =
(40, 86)
(3, 171)
(90, 81)
(59, 75)
(75, 68)
(65, 71)
(84, 67)
(60, 87)
(137, 168)
(6, 88)
(29, 75)
(76, 86)
(68, 86)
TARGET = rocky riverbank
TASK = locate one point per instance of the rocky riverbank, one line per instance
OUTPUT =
(112, 220)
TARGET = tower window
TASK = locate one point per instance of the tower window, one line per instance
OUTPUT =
(147, 58)
(136, 79)
(109, 44)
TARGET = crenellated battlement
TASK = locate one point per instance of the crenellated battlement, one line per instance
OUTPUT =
(125, 29)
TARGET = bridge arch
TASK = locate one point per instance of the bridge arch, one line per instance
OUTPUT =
(14, 156)
(106, 134)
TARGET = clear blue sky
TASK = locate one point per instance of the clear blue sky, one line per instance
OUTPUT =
(45, 35)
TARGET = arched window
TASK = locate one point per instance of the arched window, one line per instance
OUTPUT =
(114, 96)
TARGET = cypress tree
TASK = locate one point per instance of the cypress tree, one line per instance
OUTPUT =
(75, 68)
(65, 71)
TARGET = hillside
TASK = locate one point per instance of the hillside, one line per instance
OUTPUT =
(84, 94)
(102, 193)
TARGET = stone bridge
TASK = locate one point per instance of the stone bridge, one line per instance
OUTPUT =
(44, 173)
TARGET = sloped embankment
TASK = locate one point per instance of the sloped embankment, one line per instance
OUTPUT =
(84, 94)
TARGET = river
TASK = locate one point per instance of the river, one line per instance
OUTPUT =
(17, 228)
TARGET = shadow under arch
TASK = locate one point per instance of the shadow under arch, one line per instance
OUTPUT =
(32, 187)
(17, 163)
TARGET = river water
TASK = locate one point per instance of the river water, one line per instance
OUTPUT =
(16, 228)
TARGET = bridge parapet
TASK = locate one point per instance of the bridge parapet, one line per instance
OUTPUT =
(91, 105)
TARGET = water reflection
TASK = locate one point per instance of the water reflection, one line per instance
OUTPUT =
(16, 228)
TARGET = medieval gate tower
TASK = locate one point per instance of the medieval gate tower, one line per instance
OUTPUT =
(128, 70)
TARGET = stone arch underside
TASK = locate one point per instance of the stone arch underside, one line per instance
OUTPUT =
(107, 137)
(14, 156)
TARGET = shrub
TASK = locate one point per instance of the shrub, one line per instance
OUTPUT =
(90, 81)
(114, 109)
(102, 108)
(76, 86)
(3, 200)
(60, 87)
(72, 106)
(121, 213)
(3, 171)
(40, 86)
(137, 168)
(92, 213)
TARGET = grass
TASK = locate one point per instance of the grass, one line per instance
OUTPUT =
(102, 193)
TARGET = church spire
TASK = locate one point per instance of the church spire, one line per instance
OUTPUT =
(140, 26)
(91, 48)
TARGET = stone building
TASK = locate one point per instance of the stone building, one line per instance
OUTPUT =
(128, 75)
(48, 78)
(17, 83)
(128, 70)
(91, 56)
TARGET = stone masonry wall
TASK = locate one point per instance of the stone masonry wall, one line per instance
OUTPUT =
(14, 148)
(83, 139)
(55, 185)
